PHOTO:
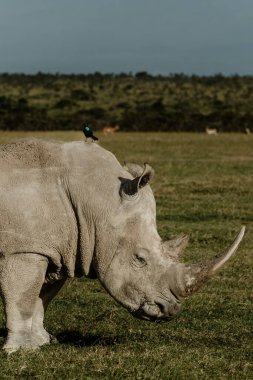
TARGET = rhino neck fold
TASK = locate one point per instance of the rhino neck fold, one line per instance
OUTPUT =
(85, 245)
(85, 240)
(106, 248)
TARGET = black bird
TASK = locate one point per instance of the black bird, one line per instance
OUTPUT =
(88, 132)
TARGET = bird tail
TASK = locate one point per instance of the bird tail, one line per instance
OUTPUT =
(95, 138)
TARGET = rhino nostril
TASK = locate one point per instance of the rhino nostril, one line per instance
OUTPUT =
(161, 307)
(167, 309)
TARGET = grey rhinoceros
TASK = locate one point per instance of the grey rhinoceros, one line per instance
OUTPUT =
(70, 209)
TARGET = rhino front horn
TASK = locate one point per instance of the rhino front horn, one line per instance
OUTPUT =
(130, 187)
(198, 274)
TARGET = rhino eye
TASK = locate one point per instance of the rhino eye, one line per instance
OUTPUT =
(139, 260)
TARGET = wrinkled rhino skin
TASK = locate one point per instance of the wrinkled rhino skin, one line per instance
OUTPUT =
(70, 209)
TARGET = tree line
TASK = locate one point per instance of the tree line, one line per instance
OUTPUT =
(139, 102)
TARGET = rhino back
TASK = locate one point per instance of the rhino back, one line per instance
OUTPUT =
(29, 153)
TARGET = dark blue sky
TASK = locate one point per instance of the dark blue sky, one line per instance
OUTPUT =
(159, 36)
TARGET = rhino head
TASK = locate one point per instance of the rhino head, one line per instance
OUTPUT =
(145, 274)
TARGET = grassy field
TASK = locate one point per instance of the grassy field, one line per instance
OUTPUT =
(203, 187)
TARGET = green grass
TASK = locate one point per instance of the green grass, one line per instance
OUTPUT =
(204, 187)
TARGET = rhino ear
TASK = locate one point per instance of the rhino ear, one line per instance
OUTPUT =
(134, 169)
(130, 187)
(146, 176)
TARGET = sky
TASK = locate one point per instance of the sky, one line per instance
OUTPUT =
(202, 37)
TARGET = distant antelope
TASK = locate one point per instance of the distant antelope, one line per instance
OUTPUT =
(108, 130)
(247, 131)
(211, 131)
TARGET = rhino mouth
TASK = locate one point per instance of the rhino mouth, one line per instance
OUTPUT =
(152, 312)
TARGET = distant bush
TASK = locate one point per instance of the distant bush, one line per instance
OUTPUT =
(5, 104)
(63, 103)
(81, 95)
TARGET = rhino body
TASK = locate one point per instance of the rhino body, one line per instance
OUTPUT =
(70, 209)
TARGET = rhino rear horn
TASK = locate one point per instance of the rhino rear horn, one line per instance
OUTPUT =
(130, 187)
(175, 247)
(198, 274)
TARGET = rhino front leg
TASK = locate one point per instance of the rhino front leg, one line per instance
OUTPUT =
(48, 292)
(21, 280)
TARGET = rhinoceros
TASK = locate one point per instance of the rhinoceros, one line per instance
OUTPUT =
(70, 209)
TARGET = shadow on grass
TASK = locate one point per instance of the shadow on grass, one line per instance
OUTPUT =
(3, 333)
(75, 338)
